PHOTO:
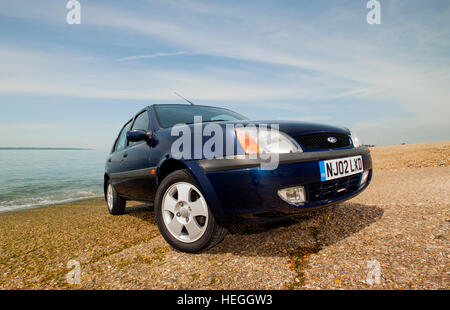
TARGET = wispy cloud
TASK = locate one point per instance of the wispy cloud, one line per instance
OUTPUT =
(287, 42)
(91, 77)
(160, 54)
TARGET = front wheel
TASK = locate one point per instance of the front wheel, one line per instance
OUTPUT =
(183, 216)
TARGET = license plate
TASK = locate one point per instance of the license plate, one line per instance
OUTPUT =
(338, 168)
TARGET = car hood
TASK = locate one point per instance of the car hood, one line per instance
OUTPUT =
(292, 128)
(295, 128)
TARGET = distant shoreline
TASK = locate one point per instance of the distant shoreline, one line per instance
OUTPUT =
(44, 149)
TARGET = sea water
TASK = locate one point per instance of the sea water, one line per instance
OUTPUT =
(34, 178)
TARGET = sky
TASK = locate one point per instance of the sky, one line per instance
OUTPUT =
(65, 85)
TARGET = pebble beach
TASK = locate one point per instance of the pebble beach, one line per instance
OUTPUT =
(395, 235)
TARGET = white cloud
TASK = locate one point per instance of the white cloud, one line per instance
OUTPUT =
(159, 54)
(90, 77)
(397, 76)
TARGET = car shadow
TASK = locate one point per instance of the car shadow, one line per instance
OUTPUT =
(305, 234)
(141, 211)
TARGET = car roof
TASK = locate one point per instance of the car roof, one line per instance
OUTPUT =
(187, 105)
(184, 104)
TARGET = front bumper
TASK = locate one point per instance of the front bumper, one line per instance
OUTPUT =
(238, 190)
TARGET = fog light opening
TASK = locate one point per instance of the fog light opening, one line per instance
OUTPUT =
(364, 178)
(293, 195)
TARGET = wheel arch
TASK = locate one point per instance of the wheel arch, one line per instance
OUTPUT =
(170, 165)
(167, 167)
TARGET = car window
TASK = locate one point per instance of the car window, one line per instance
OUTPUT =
(141, 123)
(122, 141)
(172, 114)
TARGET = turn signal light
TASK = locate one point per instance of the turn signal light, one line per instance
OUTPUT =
(249, 144)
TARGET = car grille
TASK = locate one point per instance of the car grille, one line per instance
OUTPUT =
(333, 189)
(320, 141)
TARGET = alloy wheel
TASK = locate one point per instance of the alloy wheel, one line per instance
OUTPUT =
(185, 212)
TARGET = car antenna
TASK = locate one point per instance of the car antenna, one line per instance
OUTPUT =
(183, 98)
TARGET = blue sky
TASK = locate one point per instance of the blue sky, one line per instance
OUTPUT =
(75, 85)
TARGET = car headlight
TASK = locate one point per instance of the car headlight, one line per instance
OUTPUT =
(261, 140)
(355, 140)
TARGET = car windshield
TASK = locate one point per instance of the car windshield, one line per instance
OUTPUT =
(171, 115)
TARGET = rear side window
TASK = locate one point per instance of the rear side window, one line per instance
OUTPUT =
(122, 141)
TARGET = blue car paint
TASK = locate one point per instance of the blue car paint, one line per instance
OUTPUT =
(245, 193)
(234, 196)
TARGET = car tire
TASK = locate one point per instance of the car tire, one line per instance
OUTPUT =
(116, 204)
(183, 216)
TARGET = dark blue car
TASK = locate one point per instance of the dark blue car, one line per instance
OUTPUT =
(205, 168)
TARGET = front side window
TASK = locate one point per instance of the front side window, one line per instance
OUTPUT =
(171, 114)
(122, 141)
(141, 123)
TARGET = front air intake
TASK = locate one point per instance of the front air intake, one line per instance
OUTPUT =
(319, 141)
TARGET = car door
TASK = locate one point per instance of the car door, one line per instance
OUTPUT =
(117, 158)
(140, 164)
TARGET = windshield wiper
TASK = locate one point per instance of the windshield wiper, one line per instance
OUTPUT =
(209, 121)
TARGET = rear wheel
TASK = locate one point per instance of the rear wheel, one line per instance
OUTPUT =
(116, 204)
(183, 216)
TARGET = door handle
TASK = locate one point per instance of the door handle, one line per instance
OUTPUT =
(125, 155)
(109, 159)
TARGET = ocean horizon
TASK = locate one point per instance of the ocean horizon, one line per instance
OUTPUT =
(21, 148)
(38, 177)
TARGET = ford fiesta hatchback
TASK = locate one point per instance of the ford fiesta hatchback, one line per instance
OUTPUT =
(205, 167)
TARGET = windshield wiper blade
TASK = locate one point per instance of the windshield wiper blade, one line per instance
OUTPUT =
(209, 121)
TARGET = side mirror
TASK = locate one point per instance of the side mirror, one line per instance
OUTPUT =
(139, 135)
